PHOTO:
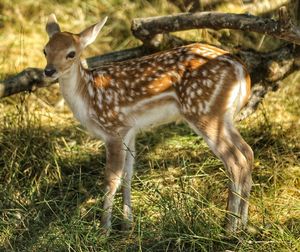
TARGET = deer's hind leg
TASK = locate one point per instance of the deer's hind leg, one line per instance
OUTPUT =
(227, 144)
(246, 150)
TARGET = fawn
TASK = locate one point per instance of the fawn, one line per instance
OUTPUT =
(201, 84)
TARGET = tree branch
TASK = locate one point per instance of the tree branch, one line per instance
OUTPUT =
(27, 80)
(146, 28)
(96, 61)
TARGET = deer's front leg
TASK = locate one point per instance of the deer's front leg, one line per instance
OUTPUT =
(115, 159)
(126, 186)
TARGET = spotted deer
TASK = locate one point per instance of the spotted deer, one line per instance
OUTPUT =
(201, 84)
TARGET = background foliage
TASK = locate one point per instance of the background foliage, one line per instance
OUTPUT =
(51, 170)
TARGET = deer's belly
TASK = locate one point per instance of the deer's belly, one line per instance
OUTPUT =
(157, 116)
(157, 111)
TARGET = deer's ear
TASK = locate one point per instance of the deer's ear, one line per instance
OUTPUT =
(52, 26)
(89, 35)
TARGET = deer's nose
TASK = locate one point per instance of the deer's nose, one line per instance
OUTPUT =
(49, 71)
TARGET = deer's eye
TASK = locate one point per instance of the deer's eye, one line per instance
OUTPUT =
(71, 55)
(44, 51)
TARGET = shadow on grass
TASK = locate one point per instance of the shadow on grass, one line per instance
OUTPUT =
(50, 184)
(45, 176)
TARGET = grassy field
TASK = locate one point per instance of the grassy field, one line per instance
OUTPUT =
(51, 170)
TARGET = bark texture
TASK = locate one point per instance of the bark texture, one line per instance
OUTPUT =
(146, 28)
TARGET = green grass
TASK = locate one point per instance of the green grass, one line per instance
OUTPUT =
(51, 170)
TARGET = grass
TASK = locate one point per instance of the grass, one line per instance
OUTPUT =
(52, 171)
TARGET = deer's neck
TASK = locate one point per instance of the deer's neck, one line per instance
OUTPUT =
(71, 80)
(74, 88)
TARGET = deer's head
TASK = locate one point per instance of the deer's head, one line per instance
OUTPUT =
(64, 48)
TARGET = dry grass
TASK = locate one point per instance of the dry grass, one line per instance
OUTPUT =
(52, 170)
